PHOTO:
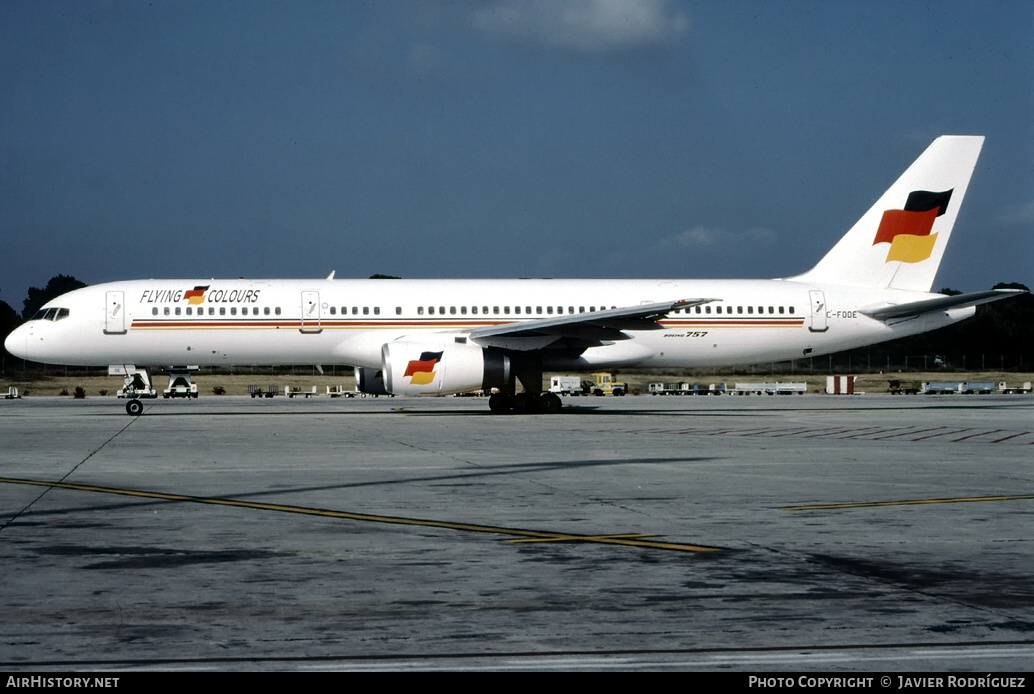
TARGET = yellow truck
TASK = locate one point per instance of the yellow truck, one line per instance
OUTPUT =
(606, 385)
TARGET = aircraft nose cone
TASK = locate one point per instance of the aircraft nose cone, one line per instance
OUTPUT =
(17, 343)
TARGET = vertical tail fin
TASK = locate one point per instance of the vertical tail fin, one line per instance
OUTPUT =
(900, 241)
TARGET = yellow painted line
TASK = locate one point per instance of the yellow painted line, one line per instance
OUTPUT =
(562, 538)
(534, 535)
(908, 502)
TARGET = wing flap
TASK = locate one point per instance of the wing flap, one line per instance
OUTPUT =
(596, 325)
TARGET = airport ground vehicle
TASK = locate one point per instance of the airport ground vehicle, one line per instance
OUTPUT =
(606, 385)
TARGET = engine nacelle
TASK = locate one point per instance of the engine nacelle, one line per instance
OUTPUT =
(419, 368)
(370, 381)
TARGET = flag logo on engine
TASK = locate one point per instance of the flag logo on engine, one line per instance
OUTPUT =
(422, 369)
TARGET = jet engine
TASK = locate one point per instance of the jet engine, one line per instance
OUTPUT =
(412, 368)
(370, 381)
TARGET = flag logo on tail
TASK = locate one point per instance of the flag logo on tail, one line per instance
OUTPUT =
(422, 369)
(908, 230)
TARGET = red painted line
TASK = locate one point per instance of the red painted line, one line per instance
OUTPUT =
(983, 433)
(946, 433)
(879, 431)
(791, 432)
(906, 433)
(756, 432)
(835, 432)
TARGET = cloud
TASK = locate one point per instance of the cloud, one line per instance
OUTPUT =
(585, 26)
(701, 237)
(1020, 214)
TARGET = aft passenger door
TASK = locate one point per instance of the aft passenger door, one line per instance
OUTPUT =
(311, 312)
(818, 311)
(114, 313)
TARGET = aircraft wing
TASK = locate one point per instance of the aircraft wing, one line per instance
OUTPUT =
(913, 309)
(595, 326)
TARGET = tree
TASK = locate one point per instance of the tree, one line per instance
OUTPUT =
(8, 322)
(58, 285)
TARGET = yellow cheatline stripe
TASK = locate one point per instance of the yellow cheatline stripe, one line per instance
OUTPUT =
(535, 535)
(908, 502)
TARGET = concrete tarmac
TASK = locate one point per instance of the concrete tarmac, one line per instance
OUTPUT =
(798, 533)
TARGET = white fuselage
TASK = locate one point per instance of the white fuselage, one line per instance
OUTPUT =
(272, 322)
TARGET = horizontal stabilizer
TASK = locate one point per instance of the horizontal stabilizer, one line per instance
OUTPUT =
(943, 303)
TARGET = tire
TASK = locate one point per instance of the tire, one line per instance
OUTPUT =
(549, 403)
(499, 403)
(525, 403)
(134, 408)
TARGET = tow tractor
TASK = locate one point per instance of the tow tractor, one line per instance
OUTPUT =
(606, 385)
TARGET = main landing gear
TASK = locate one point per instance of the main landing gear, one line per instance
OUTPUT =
(524, 403)
(526, 368)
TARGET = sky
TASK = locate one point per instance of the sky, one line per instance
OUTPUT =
(502, 138)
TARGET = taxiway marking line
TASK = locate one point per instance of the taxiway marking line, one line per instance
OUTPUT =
(630, 539)
(907, 502)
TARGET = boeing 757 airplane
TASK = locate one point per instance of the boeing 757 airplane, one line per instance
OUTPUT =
(438, 337)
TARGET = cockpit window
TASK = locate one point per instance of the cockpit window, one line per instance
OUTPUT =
(51, 314)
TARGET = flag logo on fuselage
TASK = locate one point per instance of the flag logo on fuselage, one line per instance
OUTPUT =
(908, 230)
(422, 369)
(196, 295)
